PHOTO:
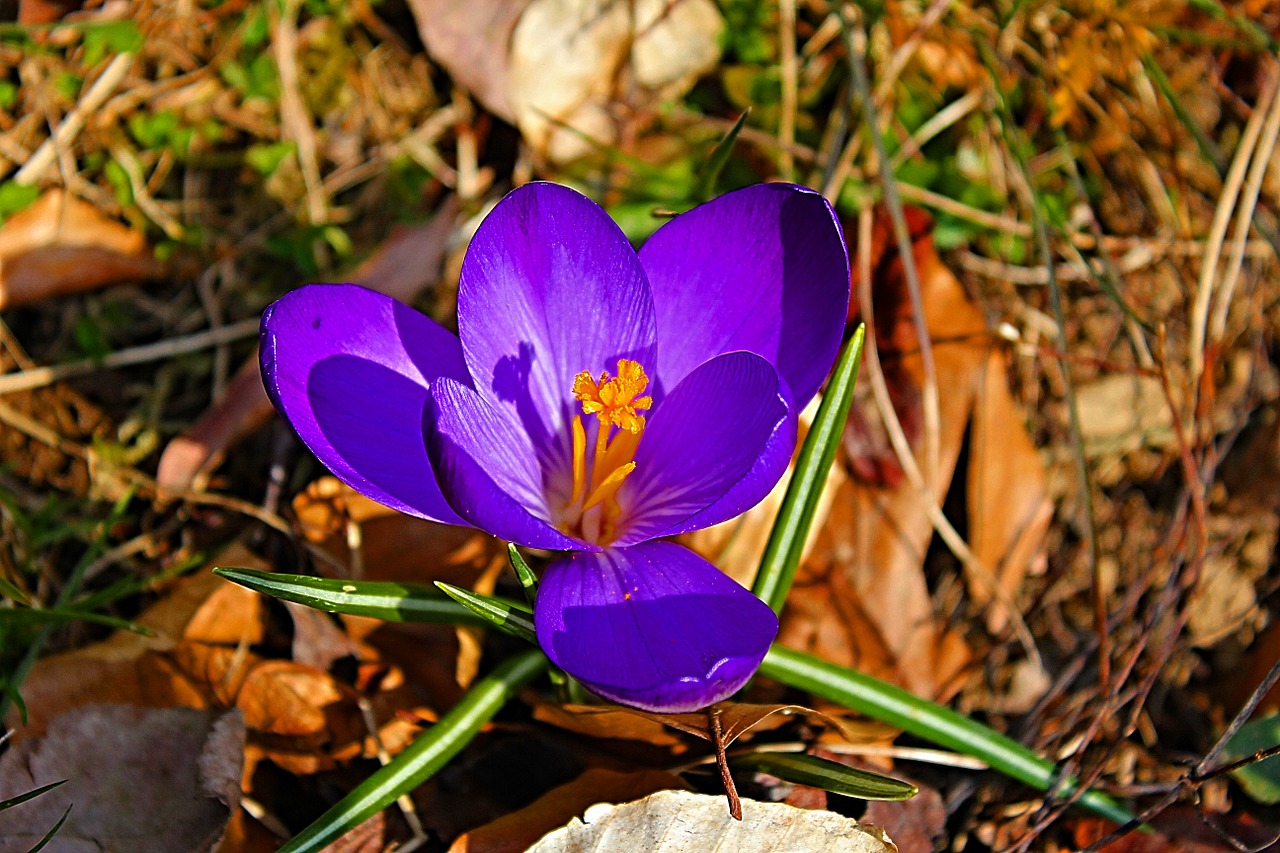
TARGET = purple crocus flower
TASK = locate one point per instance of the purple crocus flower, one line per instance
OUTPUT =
(594, 401)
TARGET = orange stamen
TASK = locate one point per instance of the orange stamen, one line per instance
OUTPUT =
(579, 460)
(616, 402)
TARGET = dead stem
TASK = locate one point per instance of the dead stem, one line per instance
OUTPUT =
(722, 762)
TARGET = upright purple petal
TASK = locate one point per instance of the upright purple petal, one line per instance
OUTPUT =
(550, 287)
(653, 626)
(489, 469)
(350, 369)
(763, 269)
(706, 437)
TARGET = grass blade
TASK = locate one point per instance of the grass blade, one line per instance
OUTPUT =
(710, 172)
(891, 704)
(390, 602)
(51, 833)
(496, 612)
(528, 580)
(827, 775)
(425, 756)
(29, 795)
(786, 540)
(59, 615)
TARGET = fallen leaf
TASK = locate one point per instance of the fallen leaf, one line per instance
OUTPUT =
(736, 719)
(62, 245)
(560, 70)
(681, 822)
(144, 780)
(861, 598)
(1008, 503)
(569, 63)
(132, 668)
(607, 723)
(515, 832)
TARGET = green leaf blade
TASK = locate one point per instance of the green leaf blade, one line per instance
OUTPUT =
(390, 602)
(891, 704)
(424, 757)
(505, 616)
(828, 775)
(782, 554)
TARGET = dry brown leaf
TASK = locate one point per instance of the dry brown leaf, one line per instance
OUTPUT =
(572, 59)
(681, 822)
(62, 245)
(736, 719)
(1008, 504)
(515, 832)
(607, 723)
(138, 779)
(135, 669)
(559, 69)
(861, 598)
(290, 699)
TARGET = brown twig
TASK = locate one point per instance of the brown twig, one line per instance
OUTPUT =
(722, 762)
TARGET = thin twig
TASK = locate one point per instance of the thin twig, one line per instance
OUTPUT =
(296, 121)
(73, 122)
(790, 85)
(41, 376)
(1244, 217)
(722, 762)
(929, 387)
(1231, 187)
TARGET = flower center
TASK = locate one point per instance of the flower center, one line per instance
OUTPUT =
(592, 510)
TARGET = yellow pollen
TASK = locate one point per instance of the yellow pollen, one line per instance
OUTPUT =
(617, 399)
(617, 402)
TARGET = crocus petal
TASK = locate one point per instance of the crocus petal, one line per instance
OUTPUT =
(350, 369)
(550, 287)
(653, 626)
(708, 435)
(488, 468)
(762, 269)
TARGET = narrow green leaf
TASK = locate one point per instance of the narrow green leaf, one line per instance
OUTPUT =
(51, 833)
(786, 540)
(527, 578)
(424, 757)
(1261, 779)
(50, 616)
(503, 615)
(710, 172)
(932, 722)
(29, 795)
(390, 602)
(11, 592)
(828, 775)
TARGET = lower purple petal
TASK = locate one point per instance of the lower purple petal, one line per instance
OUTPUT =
(652, 626)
